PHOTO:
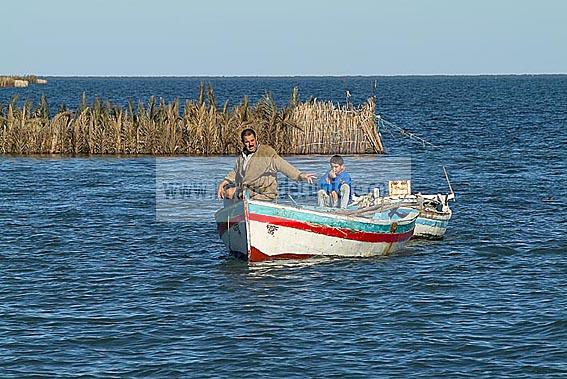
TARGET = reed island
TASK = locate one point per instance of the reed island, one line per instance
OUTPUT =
(20, 81)
(198, 127)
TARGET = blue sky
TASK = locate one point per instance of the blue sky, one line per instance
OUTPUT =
(292, 37)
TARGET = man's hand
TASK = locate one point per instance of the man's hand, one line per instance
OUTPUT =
(332, 174)
(220, 190)
(309, 178)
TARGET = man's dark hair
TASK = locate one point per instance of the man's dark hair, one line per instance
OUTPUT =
(337, 159)
(247, 132)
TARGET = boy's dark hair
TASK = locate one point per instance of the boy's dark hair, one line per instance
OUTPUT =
(337, 159)
(247, 132)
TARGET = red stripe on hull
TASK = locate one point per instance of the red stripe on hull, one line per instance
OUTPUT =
(333, 232)
(257, 256)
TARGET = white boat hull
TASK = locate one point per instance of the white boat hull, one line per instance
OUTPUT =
(262, 231)
(432, 225)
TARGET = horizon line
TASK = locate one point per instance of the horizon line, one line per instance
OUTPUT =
(290, 76)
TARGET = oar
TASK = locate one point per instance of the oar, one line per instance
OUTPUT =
(292, 199)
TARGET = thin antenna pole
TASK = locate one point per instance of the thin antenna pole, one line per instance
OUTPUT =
(448, 182)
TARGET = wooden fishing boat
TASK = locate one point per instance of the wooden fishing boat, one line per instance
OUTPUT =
(434, 210)
(434, 213)
(260, 231)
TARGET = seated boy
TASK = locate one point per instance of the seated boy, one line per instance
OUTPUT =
(335, 186)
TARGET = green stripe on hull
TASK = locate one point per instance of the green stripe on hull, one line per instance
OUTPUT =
(320, 219)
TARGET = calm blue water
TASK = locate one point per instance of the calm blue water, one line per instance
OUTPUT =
(91, 284)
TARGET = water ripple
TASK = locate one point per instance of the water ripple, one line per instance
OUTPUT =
(91, 284)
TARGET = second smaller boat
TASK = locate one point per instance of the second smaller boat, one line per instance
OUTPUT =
(434, 210)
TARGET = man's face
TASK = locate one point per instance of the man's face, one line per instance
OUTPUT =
(336, 168)
(250, 143)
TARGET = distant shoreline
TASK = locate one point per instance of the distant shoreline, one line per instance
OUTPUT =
(303, 76)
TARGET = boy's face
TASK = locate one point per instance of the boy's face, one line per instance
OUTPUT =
(336, 168)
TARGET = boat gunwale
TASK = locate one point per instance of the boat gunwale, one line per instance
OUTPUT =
(341, 217)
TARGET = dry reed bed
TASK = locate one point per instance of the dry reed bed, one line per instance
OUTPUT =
(10, 81)
(203, 128)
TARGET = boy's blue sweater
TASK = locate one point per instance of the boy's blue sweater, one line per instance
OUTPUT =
(335, 184)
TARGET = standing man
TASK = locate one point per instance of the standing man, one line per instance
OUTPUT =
(335, 186)
(256, 170)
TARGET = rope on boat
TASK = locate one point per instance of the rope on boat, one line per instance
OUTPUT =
(390, 125)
